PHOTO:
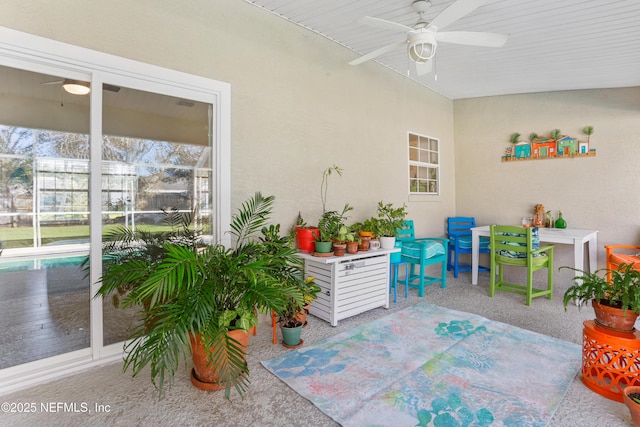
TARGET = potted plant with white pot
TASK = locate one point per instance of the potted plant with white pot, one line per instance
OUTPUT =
(390, 220)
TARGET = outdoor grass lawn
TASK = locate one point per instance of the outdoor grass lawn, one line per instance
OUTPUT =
(23, 236)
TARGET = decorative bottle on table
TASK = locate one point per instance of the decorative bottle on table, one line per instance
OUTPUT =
(560, 222)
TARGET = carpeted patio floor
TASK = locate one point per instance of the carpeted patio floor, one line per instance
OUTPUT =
(115, 398)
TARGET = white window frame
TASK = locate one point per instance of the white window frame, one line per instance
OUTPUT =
(422, 158)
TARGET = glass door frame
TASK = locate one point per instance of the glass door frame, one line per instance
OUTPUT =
(32, 53)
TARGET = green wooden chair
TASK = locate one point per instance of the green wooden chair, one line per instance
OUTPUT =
(519, 247)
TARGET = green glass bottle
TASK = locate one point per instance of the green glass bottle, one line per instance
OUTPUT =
(560, 222)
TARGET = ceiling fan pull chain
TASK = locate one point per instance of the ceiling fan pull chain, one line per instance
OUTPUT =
(435, 69)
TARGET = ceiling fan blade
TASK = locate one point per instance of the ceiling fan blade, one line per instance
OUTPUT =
(456, 11)
(383, 23)
(423, 68)
(377, 52)
(472, 38)
(55, 82)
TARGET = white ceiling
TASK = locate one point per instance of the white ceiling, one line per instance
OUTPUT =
(553, 44)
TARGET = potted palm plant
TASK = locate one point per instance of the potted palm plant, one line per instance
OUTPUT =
(615, 295)
(203, 301)
(143, 247)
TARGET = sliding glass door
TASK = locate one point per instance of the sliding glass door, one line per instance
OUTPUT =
(74, 168)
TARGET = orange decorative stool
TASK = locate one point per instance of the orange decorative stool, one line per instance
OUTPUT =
(610, 360)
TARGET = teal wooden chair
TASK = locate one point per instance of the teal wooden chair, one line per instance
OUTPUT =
(420, 253)
(519, 247)
(459, 234)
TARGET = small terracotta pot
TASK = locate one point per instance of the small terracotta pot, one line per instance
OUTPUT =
(301, 316)
(634, 407)
(352, 247)
(364, 243)
(339, 249)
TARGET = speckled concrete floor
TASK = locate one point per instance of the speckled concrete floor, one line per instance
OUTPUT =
(115, 398)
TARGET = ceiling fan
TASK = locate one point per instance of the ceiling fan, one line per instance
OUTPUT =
(422, 39)
(77, 87)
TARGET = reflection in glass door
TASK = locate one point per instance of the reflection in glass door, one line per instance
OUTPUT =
(44, 217)
(152, 168)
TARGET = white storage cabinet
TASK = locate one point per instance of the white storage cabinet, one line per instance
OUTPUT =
(351, 284)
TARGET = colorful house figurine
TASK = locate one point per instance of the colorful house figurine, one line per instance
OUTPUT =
(543, 147)
(567, 146)
(583, 147)
(547, 148)
(522, 150)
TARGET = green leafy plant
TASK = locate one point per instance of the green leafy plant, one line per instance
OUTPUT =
(289, 315)
(345, 234)
(208, 292)
(390, 219)
(555, 134)
(615, 288)
(130, 254)
(330, 223)
(532, 136)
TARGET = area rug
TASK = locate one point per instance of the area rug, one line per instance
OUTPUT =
(431, 366)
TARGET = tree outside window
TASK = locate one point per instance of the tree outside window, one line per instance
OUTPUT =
(424, 164)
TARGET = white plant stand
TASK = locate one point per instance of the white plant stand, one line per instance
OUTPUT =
(351, 284)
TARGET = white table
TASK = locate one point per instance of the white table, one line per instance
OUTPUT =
(351, 284)
(565, 236)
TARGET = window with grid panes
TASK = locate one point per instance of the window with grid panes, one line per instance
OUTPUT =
(424, 164)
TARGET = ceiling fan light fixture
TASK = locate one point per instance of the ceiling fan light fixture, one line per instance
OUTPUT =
(422, 46)
(76, 87)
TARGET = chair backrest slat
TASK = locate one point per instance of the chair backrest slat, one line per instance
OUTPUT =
(460, 226)
(511, 238)
(406, 233)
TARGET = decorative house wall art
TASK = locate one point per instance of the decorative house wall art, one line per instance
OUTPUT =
(554, 146)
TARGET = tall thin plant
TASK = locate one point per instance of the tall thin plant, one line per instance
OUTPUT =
(325, 184)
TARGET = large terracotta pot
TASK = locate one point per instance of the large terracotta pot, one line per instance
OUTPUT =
(614, 318)
(634, 407)
(203, 375)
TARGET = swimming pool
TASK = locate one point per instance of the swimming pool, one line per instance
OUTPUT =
(40, 263)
